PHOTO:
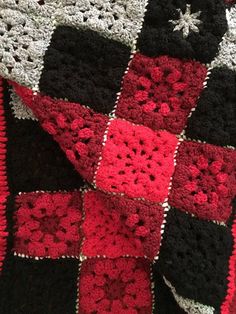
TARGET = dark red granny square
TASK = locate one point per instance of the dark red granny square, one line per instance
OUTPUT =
(77, 129)
(47, 224)
(204, 181)
(160, 92)
(115, 286)
(137, 161)
(115, 226)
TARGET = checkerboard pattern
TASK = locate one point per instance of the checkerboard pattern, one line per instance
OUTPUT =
(137, 100)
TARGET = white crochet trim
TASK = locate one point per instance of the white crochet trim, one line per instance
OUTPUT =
(19, 109)
(227, 52)
(188, 305)
(119, 20)
(24, 40)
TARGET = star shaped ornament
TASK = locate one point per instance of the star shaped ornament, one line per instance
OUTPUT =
(187, 21)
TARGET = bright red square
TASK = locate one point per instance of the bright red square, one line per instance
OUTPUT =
(48, 224)
(137, 161)
(109, 286)
(160, 92)
(204, 181)
(115, 226)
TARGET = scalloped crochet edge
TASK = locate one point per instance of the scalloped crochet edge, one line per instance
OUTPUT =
(3, 181)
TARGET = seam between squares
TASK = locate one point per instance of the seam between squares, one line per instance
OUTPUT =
(78, 286)
(152, 283)
(187, 139)
(83, 190)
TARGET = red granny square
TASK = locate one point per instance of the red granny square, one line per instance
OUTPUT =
(137, 161)
(47, 224)
(160, 92)
(115, 226)
(204, 182)
(119, 286)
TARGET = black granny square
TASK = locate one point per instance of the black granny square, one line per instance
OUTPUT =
(158, 36)
(82, 66)
(194, 258)
(214, 119)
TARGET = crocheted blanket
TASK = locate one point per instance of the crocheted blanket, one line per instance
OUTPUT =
(117, 156)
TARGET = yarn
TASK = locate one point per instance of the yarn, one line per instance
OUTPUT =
(115, 226)
(77, 129)
(47, 225)
(42, 167)
(137, 98)
(115, 286)
(94, 66)
(137, 161)
(194, 257)
(24, 40)
(160, 92)
(204, 181)
(213, 120)
(159, 37)
(118, 20)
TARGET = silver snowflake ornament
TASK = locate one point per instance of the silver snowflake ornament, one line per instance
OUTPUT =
(187, 22)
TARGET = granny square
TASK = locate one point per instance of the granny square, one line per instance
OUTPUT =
(204, 181)
(137, 161)
(189, 29)
(94, 65)
(195, 256)
(24, 40)
(115, 226)
(160, 92)
(119, 285)
(214, 119)
(42, 7)
(48, 225)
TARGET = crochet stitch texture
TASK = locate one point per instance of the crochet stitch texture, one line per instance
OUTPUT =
(117, 157)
